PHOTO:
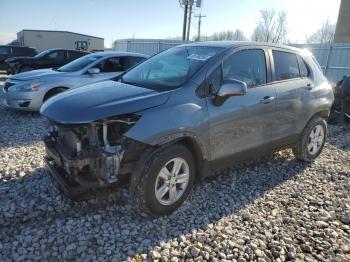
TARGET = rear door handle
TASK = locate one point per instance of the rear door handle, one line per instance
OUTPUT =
(310, 86)
(267, 99)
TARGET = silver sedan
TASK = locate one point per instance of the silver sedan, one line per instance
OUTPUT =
(27, 91)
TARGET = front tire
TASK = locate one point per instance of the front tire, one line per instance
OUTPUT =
(163, 180)
(312, 140)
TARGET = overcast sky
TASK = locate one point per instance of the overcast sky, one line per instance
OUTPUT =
(116, 19)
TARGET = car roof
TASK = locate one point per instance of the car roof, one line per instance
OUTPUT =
(117, 53)
(230, 44)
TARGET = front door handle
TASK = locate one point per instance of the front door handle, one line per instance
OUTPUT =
(310, 86)
(267, 99)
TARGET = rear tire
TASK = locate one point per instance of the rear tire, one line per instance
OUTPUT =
(156, 191)
(312, 140)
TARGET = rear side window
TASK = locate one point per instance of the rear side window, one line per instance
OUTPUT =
(286, 65)
(248, 66)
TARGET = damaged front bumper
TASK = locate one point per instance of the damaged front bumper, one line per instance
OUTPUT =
(87, 159)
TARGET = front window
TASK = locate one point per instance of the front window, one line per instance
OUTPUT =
(79, 63)
(248, 66)
(171, 68)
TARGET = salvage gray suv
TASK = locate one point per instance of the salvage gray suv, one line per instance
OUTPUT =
(175, 118)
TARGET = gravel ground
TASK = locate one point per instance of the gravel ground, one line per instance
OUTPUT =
(274, 209)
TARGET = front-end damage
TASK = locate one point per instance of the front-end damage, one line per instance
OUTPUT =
(91, 156)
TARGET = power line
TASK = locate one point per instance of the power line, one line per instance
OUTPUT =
(200, 16)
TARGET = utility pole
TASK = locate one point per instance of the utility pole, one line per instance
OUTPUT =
(199, 25)
(189, 20)
(185, 21)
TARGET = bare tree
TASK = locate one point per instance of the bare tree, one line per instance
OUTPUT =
(324, 35)
(272, 27)
(236, 35)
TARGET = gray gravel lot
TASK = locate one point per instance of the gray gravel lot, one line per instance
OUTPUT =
(273, 209)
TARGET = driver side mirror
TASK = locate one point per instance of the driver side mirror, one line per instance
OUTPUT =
(93, 70)
(230, 87)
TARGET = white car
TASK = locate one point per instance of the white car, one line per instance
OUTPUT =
(28, 90)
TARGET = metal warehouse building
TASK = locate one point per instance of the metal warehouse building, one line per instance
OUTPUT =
(46, 39)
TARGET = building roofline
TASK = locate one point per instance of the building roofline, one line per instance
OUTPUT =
(59, 31)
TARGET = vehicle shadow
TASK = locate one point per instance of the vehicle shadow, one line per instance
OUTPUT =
(40, 206)
(20, 128)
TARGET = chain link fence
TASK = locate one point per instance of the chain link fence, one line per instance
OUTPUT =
(334, 58)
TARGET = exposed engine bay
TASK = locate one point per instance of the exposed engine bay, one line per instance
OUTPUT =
(94, 155)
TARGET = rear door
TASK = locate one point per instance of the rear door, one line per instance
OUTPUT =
(291, 79)
(242, 123)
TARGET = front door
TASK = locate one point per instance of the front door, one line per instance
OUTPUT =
(245, 122)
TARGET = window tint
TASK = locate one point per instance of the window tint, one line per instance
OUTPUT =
(133, 60)
(248, 66)
(304, 71)
(114, 64)
(57, 55)
(286, 65)
(4, 50)
(74, 55)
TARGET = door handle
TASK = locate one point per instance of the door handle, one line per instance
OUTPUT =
(267, 99)
(310, 86)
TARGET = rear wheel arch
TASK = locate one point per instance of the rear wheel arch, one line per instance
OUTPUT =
(323, 113)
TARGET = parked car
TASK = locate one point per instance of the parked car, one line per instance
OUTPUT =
(341, 103)
(183, 113)
(51, 58)
(27, 91)
(7, 51)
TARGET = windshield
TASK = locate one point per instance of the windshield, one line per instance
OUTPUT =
(171, 68)
(79, 63)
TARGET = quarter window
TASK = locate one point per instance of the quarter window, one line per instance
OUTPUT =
(286, 65)
(248, 66)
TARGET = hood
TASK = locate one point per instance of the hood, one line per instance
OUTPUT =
(99, 101)
(19, 58)
(34, 74)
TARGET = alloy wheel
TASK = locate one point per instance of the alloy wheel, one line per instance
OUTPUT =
(172, 181)
(315, 140)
